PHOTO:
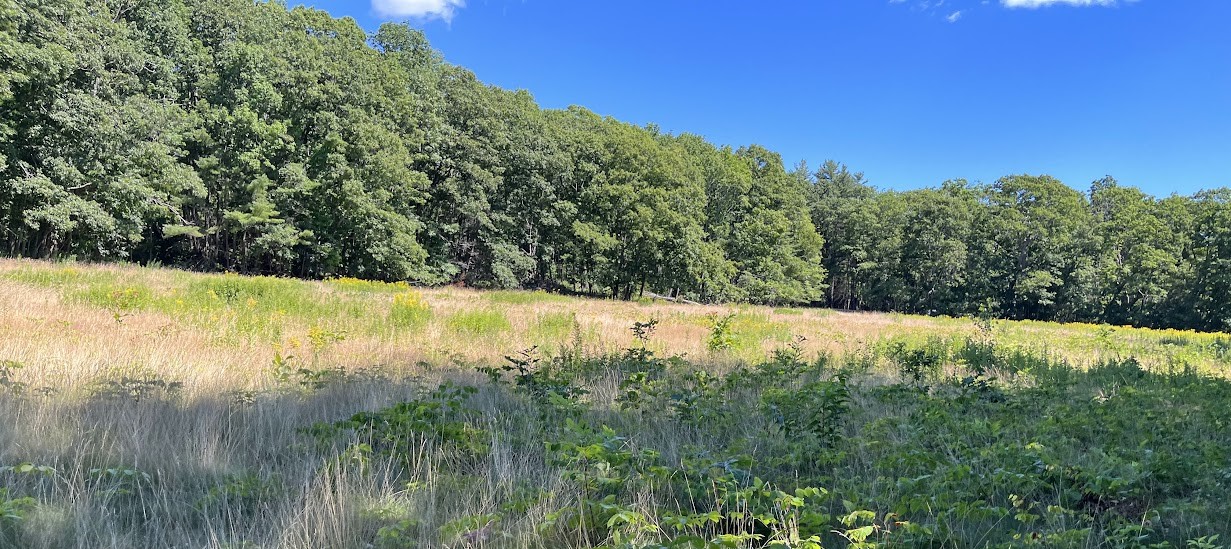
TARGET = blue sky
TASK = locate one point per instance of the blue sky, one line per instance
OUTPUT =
(911, 92)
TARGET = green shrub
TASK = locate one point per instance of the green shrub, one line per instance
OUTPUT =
(243, 493)
(397, 432)
(918, 363)
(13, 510)
(721, 336)
(814, 412)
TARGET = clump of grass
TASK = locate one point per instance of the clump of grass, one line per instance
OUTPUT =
(751, 331)
(482, 322)
(514, 297)
(263, 292)
(58, 277)
(255, 308)
(120, 301)
(554, 327)
(356, 285)
(920, 361)
(409, 310)
(745, 333)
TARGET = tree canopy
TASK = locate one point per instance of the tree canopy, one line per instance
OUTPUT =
(250, 137)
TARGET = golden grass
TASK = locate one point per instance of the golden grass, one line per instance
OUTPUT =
(70, 327)
(67, 341)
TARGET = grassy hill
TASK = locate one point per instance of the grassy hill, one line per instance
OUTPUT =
(160, 408)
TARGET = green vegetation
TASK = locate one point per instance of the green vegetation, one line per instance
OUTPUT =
(556, 326)
(488, 322)
(970, 446)
(524, 298)
(914, 432)
(253, 138)
(409, 310)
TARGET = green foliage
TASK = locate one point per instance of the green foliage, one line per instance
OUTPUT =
(816, 410)
(7, 369)
(1006, 447)
(442, 419)
(916, 363)
(12, 510)
(264, 139)
(136, 385)
(721, 337)
(644, 330)
(409, 310)
(242, 493)
(119, 481)
(549, 383)
(291, 374)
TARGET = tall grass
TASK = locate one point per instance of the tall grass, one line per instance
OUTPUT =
(153, 408)
(478, 323)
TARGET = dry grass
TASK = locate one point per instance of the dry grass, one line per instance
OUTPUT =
(71, 341)
(70, 330)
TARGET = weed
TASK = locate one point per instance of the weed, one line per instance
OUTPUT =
(118, 480)
(815, 411)
(409, 310)
(642, 331)
(721, 337)
(12, 510)
(555, 326)
(136, 386)
(918, 364)
(544, 382)
(289, 374)
(243, 493)
(521, 297)
(440, 419)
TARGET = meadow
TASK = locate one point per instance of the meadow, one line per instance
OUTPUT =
(159, 408)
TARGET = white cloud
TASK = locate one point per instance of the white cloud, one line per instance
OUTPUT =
(1031, 4)
(953, 17)
(417, 8)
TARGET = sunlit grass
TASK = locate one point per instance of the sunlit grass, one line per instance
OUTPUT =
(478, 323)
(210, 384)
(392, 319)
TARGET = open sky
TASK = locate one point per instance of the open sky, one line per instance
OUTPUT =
(911, 92)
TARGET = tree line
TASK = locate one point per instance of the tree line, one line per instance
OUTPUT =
(250, 137)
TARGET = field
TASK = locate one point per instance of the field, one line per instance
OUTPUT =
(159, 408)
